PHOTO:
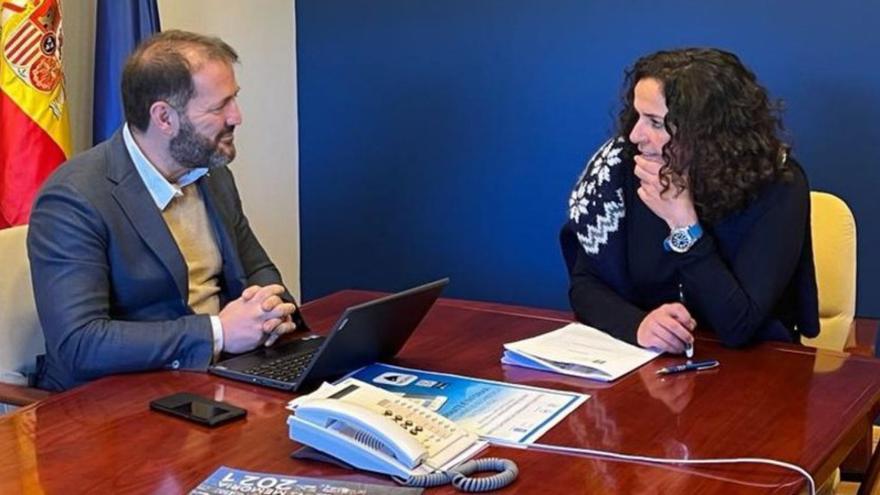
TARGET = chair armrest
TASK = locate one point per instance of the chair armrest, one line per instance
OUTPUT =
(19, 395)
(862, 337)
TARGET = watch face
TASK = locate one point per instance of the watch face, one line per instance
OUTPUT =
(680, 240)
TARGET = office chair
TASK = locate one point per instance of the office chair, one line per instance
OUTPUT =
(834, 252)
(21, 337)
(834, 256)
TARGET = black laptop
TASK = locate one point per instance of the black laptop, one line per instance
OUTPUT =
(373, 331)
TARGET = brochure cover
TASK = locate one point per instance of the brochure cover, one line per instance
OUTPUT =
(229, 481)
(504, 411)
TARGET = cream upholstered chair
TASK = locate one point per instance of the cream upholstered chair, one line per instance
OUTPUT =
(834, 255)
(21, 337)
(834, 251)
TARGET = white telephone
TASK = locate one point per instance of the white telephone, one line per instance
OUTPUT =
(376, 430)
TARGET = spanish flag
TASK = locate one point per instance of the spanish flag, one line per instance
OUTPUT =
(34, 128)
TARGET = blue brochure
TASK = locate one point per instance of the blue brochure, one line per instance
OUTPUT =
(228, 481)
(505, 411)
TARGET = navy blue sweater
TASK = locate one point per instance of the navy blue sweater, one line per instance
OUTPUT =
(749, 278)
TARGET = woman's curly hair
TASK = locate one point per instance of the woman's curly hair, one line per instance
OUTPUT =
(724, 129)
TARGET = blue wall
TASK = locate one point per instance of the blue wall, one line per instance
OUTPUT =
(442, 137)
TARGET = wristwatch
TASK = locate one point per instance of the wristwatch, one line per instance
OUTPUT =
(682, 238)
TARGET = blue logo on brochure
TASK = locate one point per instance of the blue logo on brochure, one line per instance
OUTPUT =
(396, 379)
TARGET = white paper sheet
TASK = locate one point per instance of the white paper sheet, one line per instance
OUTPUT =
(578, 350)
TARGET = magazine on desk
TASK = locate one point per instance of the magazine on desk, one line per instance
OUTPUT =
(229, 481)
(578, 350)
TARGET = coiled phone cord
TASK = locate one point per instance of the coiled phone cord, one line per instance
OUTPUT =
(460, 477)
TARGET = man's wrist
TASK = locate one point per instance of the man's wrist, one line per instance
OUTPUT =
(217, 331)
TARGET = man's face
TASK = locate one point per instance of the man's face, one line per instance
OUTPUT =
(205, 137)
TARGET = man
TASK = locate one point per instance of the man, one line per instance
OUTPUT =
(141, 255)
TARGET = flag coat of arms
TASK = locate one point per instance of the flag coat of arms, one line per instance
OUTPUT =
(34, 128)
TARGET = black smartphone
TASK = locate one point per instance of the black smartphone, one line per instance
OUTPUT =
(196, 408)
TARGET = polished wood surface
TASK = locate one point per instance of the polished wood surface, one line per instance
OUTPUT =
(863, 336)
(18, 395)
(782, 402)
(860, 342)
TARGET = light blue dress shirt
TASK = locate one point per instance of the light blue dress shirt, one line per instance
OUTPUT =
(162, 193)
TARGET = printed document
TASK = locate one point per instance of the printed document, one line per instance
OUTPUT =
(578, 350)
(507, 411)
(230, 481)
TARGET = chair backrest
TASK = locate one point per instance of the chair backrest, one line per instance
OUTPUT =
(834, 252)
(21, 337)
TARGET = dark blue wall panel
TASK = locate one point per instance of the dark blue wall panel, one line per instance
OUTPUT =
(442, 137)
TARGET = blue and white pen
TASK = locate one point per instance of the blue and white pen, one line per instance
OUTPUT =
(689, 346)
(697, 366)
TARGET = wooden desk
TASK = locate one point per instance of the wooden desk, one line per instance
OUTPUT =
(782, 402)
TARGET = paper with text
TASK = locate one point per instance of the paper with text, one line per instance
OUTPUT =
(578, 350)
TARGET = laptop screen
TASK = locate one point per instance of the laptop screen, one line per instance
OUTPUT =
(373, 331)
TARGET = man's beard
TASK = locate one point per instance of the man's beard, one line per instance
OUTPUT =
(194, 150)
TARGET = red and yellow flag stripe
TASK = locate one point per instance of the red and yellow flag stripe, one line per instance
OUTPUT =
(34, 122)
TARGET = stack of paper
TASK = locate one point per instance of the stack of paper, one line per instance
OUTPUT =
(578, 350)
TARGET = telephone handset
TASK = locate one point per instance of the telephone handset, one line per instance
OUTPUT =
(376, 430)
(358, 436)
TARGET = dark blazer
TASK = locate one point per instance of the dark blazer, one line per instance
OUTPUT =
(109, 281)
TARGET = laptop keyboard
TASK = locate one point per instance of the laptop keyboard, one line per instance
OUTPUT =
(285, 368)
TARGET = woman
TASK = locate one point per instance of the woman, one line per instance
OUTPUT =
(695, 214)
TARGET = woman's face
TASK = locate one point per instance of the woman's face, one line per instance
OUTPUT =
(649, 133)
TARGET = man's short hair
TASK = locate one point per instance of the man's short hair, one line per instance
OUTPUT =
(161, 69)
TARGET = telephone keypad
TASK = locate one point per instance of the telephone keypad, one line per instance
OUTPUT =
(430, 438)
(433, 431)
